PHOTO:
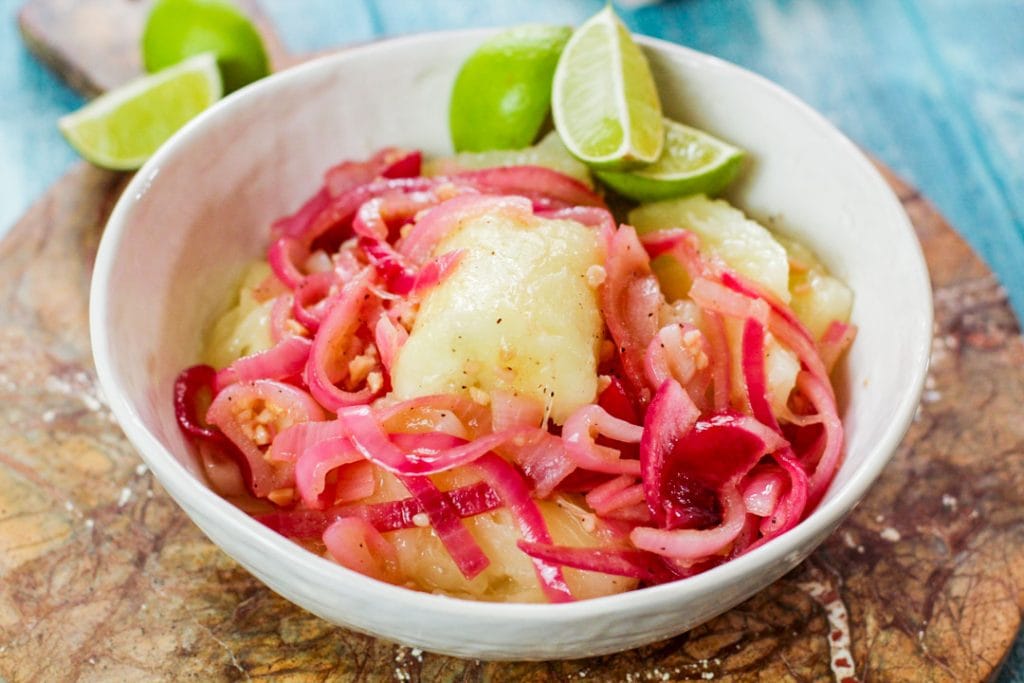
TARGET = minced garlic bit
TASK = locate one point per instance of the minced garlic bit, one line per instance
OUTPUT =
(359, 367)
(446, 191)
(375, 380)
(479, 396)
(318, 262)
(421, 520)
(261, 435)
(596, 275)
(682, 312)
(296, 328)
(693, 341)
(282, 497)
(259, 421)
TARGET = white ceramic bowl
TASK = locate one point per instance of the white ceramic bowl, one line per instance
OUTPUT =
(199, 211)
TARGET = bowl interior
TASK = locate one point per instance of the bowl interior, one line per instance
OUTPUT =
(199, 212)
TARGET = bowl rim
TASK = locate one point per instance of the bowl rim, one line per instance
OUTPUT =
(199, 500)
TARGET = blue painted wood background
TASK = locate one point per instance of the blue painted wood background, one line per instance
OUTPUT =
(934, 88)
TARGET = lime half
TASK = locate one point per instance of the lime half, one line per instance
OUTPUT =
(502, 93)
(604, 100)
(692, 162)
(179, 29)
(121, 129)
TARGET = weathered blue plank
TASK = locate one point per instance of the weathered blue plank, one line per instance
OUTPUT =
(314, 25)
(977, 48)
(32, 152)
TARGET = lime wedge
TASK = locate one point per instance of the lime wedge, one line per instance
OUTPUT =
(604, 100)
(502, 93)
(121, 129)
(179, 29)
(692, 162)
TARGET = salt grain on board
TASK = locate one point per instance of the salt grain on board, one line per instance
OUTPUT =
(84, 389)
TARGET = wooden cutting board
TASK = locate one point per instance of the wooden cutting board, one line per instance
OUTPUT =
(102, 577)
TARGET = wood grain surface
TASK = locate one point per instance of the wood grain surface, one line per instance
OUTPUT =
(102, 577)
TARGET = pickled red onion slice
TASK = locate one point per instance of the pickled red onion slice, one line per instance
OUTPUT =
(285, 359)
(298, 222)
(316, 462)
(762, 491)
(547, 189)
(284, 255)
(621, 492)
(331, 342)
(237, 412)
(515, 494)
(837, 338)
(356, 544)
(692, 545)
(187, 386)
(389, 516)
(579, 432)
(636, 564)
(428, 453)
(390, 162)
(630, 302)
(670, 416)
(437, 223)
(447, 523)
(544, 460)
(820, 397)
(389, 338)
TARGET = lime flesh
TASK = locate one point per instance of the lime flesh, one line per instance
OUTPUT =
(121, 129)
(604, 100)
(502, 93)
(178, 29)
(692, 162)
